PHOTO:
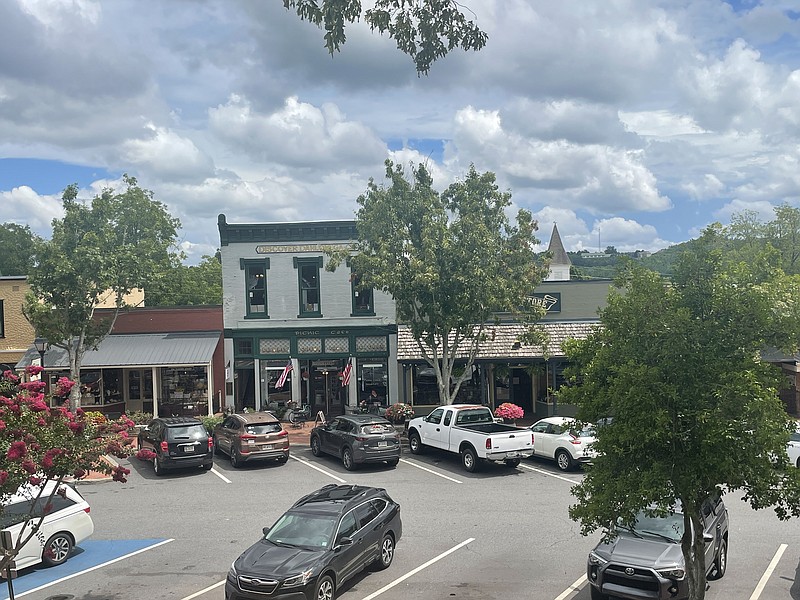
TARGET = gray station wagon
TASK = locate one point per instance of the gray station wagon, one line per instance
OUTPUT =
(357, 439)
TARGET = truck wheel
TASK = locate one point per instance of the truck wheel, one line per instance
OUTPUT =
(414, 443)
(469, 459)
(720, 561)
(512, 463)
(563, 460)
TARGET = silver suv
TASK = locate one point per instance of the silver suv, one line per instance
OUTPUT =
(645, 560)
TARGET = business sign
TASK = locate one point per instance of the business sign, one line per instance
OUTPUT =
(550, 301)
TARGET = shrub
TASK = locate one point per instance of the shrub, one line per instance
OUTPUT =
(399, 412)
(509, 411)
(140, 417)
(211, 422)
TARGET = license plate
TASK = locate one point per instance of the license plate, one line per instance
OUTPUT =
(512, 455)
(382, 444)
(188, 448)
(266, 447)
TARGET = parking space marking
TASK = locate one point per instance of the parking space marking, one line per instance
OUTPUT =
(573, 588)
(220, 475)
(94, 568)
(389, 586)
(408, 462)
(203, 591)
(768, 573)
(323, 471)
(548, 473)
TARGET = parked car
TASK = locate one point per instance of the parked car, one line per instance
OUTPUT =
(323, 540)
(252, 436)
(561, 439)
(178, 442)
(470, 431)
(645, 560)
(65, 525)
(793, 447)
(357, 439)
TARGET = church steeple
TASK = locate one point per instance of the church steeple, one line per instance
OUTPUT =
(559, 262)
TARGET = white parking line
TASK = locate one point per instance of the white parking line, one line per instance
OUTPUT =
(548, 474)
(323, 471)
(105, 564)
(203, 591)
(770, 568)
(220, 475)
(573, 588)
(418, 569)
(408, 462)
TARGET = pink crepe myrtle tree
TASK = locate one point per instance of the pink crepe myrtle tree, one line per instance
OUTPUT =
(41, 444)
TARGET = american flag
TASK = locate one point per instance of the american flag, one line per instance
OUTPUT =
(282, 379)
(346, 373)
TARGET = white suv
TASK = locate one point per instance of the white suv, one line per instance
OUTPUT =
(560, 439)
(66, 524)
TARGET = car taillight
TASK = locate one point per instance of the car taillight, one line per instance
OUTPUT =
(164, 447)
(87, 510)
(361, 439)
(247, 436)
(575, 440)
(210, 444)
(488, 443)
(283, 433)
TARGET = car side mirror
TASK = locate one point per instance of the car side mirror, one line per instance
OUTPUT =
(265, 530)
(345, 541)
(708, 538)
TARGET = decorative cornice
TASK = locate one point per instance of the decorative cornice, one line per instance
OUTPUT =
(307, 231)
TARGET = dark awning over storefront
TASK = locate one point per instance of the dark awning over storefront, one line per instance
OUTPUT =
(136, 350)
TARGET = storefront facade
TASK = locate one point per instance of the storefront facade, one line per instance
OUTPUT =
(283, 312)
(165, 374)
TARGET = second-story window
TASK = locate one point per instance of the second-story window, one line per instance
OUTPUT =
(309, 287)
(362, 298)
(255, 281)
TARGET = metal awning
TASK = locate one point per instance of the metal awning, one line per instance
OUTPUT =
(136, 350)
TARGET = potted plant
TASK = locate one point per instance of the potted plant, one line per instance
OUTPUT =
(399, 412)
(509, 412)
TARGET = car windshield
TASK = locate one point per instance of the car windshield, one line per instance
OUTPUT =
(302, 529)
(669, 526)
(190, 432)
(259, 428)
(377, 428)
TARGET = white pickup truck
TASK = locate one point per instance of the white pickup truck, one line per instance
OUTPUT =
(471, 431)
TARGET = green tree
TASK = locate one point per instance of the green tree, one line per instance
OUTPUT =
(451, 261)
(182, 285)
(17, 243)
(695, 409)
(426, 30)
(784, 234)
(114, 244)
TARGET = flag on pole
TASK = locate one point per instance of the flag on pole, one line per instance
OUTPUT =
(282, 379)
(346, 373)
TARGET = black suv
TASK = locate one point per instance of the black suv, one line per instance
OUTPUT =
(177, 442)
(646, 561)
(323, 540)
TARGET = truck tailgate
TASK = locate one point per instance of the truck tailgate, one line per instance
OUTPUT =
(508, 442)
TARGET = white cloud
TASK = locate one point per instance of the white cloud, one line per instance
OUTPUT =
(24, 206)
(167, 155)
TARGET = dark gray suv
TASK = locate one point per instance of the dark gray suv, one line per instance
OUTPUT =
(177, 442)
(645, 560)
(357, 439)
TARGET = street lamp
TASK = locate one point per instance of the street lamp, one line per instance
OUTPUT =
(41, 345)
(327, 405)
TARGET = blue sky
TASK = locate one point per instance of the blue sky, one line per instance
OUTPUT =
(633, 124)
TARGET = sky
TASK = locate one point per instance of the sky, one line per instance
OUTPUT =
(629, 123)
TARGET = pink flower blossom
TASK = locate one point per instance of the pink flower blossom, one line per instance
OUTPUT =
(34, 480)
(33, 386)
(33, 369)
(3, 477)
(17, 450)
(11, 376)
(119, 474)
(76, 427)
(29, 466)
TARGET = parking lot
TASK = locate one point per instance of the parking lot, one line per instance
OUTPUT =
(498, 533)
